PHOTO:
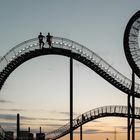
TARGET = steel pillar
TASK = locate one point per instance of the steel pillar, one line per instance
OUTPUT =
(18, 126)
(81, 133)
(131, 110)
(71, 98)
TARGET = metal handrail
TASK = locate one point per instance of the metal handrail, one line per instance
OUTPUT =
(90, 115)
(2, 133)
(58, 42)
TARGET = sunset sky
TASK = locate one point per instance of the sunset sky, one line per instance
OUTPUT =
(39, 88)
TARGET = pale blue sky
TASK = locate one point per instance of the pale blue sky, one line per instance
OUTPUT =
(39, 88)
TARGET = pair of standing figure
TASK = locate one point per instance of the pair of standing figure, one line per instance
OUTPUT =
(41, 42)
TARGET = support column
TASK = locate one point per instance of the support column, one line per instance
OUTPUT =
(71, 98)
(18, 126)
(81, 133)
(133, 105)
(129, 118)
(131, 110)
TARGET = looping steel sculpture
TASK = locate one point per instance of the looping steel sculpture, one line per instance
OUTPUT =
(131, 43)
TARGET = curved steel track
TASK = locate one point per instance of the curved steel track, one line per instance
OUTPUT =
(2, 134)
(61, 46)
(131, 43)
(106, 111)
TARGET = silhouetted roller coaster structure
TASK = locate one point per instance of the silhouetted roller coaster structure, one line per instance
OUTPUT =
(62, 46)
(106, 111)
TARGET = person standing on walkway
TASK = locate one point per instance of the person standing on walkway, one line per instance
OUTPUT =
(49, 40)
(41, 42)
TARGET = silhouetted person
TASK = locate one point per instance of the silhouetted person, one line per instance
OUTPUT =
(77, 121)
(41, 43)
(49, 40)
(83, 118)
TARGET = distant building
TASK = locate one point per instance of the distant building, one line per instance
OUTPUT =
(31, 136)
(25, 135)
(40, 136)
(9, 135)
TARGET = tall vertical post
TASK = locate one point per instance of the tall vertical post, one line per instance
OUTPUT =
(131, 110)
(18, 126)
(71, 98)
(128, 119)
(133, 105)
(29, 129)
(81, 133)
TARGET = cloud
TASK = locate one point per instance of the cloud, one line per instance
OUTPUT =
(13, 110)
(7, 116)
(90, 131)
(8, 124)
(64, 113)
(93, 131)
(52, 119)
(14, 117)
(5, 101)
(67, 113)
(43, 124)
(125, 127)
(122, 127)
(45, 119)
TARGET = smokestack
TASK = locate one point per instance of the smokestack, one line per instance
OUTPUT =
(29, 129)
(40, 129)
(18, 125)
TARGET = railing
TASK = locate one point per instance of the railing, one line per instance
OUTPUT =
(120, 111)
(131, 43)
(2, 133)
(57, 42)
(134, 42)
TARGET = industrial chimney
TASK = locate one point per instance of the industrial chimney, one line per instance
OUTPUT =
(18, 126)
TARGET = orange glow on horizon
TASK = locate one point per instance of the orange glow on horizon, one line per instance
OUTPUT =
(103, 136)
